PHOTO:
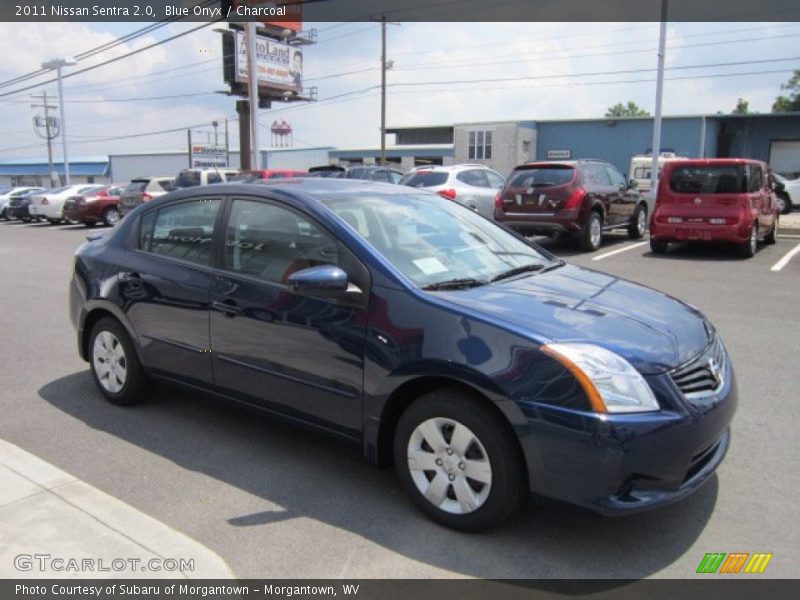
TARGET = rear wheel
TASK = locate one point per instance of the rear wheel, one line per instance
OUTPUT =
(658, 246)
(115, 366)
(591, 236)
(459, 461)
(784, 203)
(638, 224)
(4, 214)
(772, 236)
(111, 216)
(54, 221)
(748, 249)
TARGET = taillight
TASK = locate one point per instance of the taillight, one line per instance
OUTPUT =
(575, 199)
(146, 197)
(449, 194)
(44, 201)
(498, 201)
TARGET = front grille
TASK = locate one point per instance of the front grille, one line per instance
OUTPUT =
(704, 374)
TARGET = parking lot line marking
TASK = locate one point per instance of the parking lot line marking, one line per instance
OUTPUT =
(786, 258)
(613, 252)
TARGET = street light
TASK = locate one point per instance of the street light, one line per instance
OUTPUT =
(58, 64)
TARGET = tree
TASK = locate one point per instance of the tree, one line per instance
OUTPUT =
(742, 107)
(626, 110)
(790, 103)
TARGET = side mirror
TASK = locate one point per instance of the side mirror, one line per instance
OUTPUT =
(633, 184)
(319, 280)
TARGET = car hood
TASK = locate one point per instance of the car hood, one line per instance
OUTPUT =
(653, 331)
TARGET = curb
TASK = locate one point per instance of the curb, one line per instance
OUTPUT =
(112, 523)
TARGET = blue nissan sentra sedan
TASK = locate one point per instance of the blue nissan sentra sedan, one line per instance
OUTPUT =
(483, 367)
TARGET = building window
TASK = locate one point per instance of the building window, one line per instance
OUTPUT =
(480, 145)
(90, 179)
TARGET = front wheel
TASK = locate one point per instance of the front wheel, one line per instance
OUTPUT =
(784, 203)
(591, 236)
(115, 366)
(638, 224)
(459, 461)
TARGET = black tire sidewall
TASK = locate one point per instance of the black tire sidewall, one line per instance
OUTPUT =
(586, 235)
(508, 475)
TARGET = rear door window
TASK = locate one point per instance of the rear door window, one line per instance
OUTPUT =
(617, 180)
(181, 231)
(596, 174)
(473, 177)
(756, 179)
(495, 180)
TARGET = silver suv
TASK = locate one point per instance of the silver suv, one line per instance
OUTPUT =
(144, 189)
(474, 186)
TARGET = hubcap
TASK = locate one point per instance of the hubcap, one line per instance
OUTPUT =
(112, 216)
(108, 360)
(781, 204)
(753, 239)
(642, 222)
(449, 465)
(595, 232)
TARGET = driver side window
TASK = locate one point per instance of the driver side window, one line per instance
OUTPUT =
(270, 242)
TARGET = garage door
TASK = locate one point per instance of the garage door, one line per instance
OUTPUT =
(784, 156)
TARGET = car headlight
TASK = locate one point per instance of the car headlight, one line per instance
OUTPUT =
(610, 382)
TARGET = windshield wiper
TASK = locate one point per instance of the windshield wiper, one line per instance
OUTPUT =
(455, 284)
(517, 271)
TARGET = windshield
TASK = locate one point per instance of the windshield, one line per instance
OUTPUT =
(431, 240)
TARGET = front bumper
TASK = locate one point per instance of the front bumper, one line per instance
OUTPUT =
(18, 212)
(627, 463)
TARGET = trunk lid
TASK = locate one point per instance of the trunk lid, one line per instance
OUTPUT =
(538, 189)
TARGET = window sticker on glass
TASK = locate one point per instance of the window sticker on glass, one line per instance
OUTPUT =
(430, 266)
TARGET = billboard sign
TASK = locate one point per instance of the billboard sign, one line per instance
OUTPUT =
(208, 155)
(559, 154)
(278, 65)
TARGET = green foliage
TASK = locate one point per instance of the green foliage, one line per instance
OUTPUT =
(626, 110)
(790, 103)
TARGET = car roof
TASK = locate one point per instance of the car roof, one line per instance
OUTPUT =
(450, 168)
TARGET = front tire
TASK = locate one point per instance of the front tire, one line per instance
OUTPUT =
(784, 203)
(459, 461)
(115, 367)
(591, 236)
(638, 224)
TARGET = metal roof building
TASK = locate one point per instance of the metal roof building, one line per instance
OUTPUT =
(35, 171)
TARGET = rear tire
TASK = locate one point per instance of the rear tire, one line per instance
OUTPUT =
(115, 367)
(111, 216)
(784, 203)
(748, 249)
(772, 237)
(54, 221)
(472, 469)
(591, 236)
(638, 224)
(658, 246)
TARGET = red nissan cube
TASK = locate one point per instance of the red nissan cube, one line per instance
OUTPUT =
(720, 199)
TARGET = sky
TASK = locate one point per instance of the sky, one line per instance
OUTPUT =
(458, 72)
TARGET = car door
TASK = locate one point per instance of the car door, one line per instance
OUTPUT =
(271, 346)
(762, 197)
(165, 288)
(624, 200)
(599, 185)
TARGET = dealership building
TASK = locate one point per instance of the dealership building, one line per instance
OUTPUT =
(772, 138)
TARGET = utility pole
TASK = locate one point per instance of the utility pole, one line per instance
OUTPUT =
(227, 145)
(51, 132)
(245, 156)
(383, 89)
(659, 93)
(252, 88)
(189, 146)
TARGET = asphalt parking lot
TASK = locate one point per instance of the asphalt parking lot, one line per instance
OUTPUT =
(275, 501)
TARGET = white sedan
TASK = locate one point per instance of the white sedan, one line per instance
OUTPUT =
(790, 193)
(50, 203)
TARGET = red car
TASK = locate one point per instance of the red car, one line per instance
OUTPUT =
(269, 174)
(720, 199)
(100, 207)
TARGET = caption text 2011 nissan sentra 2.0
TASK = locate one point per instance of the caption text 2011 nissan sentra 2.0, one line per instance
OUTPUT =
(476, 362)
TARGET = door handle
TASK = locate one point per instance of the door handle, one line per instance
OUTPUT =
(228, 307)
